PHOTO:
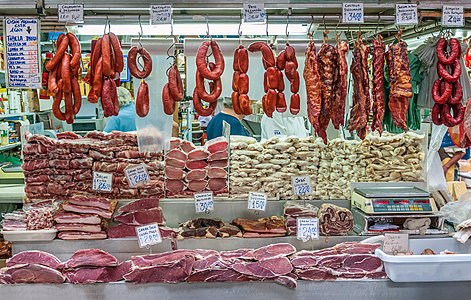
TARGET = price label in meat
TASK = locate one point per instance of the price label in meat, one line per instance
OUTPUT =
(352, 13)
(254, 13)
(204, 202)
(137, 175)
(148, 235)
(102, 182)
(160, 14)
(395, 243)
(452, 16)
(257, 201)
(70, 13)
(406, 14)
(301, 185)
(307, 229)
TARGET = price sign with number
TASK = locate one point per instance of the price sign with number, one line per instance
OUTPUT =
(301, 185)
(352, 13)
(307, 229)
(148, 235)
(160, 14)
(257, 201)
(102, 182)
(396, 243)
(452, 16)
(406, 14)
(254, 13)
(70, 13)
(204, 202)
(137, 175)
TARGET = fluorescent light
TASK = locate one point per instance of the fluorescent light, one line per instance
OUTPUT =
(196, 29)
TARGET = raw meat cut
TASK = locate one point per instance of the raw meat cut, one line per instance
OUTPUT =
(141, 204)
(235, 255)
(92, 201)
(274, 250)
(101, 274)
(197, 185)
(34, 257)
(177, 154)
(214, 172)
(172, 162)
(288, 280)
(175, 143)
(78, 227)
(165, 258)
(335, 220)
(216, 145)
(273, 225)
(217, 184)
(78, 235)
(91, 258)
(187, 146)
(153, 215)
(223, 275)
(222, 163)
(219, 155)
(175, 186)
(267, 268)
(199, 174)
(82, 163)
(314, 274)
(174, 173)
(87, 210)
(351, 264)
(171, 273)
(196, 164)
(198, 154)
(32, 273)
(123, 230)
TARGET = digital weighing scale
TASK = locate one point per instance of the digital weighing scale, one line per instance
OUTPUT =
(393, 200)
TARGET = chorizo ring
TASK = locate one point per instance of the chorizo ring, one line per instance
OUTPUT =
(65, 73)
(77, 95)
(201, 64)
(61, 48)
(439, 96)
(457, 94)
(56, 104)
(198, 106)
(450, 78)
(132, 62)
(436, 114)
(455, 50)
(267, 53)
(118, 53)
(214, 95)
(458, 113)
(76, 51)
(175, 83)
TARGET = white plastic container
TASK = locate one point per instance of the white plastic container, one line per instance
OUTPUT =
(29, 235)
(427, 268)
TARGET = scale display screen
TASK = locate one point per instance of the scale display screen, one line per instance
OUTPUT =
(401, 205)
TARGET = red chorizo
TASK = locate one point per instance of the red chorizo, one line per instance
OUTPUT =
(198, 106)
(175, 83)
(290, 70)
(92, 98)
(281, 82)
(69, 108)
(132, 62)
(98, 80)
(106, 101)
(244, 103)
(118, 53)
(458, 113)
(235, 81)
(295, 83)
(281, 60)
(455, 51)
(243, 83)
(295, 103)
(167, 101)
(114, 97)
(436, 114)
(438, 97)
(267, 53)
(52, 81)
(235, 62)
(214, 95)
(290, 53)
(265, 82)
(280, 103)
(272, 96)
(272, 76)
(96, 55)
(61, 48)
(450, 78)
(243, 60)
(457, 93)
(56, 104)
(106, 55)
(65, 73)
(235, 103)
(201, 60)
(142, 100)
(76, 52)
(77, 95)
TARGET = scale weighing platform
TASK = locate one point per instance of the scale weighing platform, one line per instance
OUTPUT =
(393, 200)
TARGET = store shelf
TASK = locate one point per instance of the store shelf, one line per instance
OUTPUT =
(10, 146)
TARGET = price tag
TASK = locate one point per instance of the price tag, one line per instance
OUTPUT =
(307, 229)
(257, 201)
(204, 202)
(148, 235)
(396, 243)
(406, 14)
(70, 13)
(352, 13)
(254, 13)
(137, 175)
(301, 185)
(452, 16)
(102, 182)
(160, 14)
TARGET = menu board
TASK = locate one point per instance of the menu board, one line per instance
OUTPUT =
(22, 53)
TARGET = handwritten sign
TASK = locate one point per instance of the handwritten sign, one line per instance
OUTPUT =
(452, 16)
(70, 13)
(257, 201)
(396, 243)
(204, 202)
(137, 175)
(301, 185)
(148, 235)
(22, 53)
(307, 229)
(160, 14)
(102, 182)
(352, 13)
(254, 13)
(406, 14)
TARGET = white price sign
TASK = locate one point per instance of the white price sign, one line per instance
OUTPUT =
(307, 229)
(254, 13)
(396, 243)
(452, 16)
(137, 175)
(160, 14)
(204, 202)
(406, 14)
(148, 235)
(70, 13)
(102, 182)
(301, 185)
(257, 201)
(352, 13)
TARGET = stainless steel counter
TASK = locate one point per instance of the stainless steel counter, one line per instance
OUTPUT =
(12, 193)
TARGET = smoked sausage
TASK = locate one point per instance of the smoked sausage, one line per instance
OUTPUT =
(142, 100)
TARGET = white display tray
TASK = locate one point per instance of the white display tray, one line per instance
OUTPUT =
(429, 268)
(29, 235)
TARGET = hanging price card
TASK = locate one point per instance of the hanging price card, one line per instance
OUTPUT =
(70, 13)
(307, 229)
(102, 182)
(352, 13)
(160, 14)
(204, 202)
(254, 13)
(148, 235)
(137, 175)
(406, 14)
(301, 185)
(452, 16)
(396, 243)
(257, 201)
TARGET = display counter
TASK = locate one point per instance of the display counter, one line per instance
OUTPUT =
(12, 193)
